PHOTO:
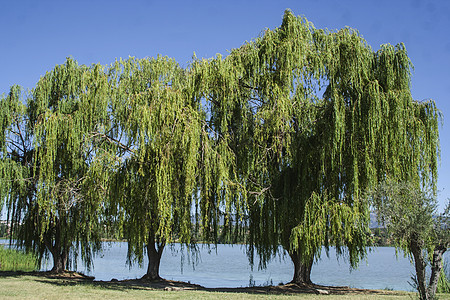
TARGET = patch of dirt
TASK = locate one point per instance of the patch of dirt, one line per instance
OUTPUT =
(290, 288)
(66, 275)
(160, 284)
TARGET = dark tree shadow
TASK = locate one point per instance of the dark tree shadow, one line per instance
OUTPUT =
(74, 278)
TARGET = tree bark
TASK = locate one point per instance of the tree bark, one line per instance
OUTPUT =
(419, 264)
(154, 252)
(436, 267)
(59, 254)
(58, 249)
(302, 270)
(59, 261)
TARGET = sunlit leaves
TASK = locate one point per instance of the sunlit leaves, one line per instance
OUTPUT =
(321, 117)
(280, 138)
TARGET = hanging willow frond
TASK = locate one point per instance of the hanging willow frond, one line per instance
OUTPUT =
(317, 114)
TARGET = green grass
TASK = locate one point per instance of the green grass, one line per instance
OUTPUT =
(14, 260)
(444, 280)
(26, 286)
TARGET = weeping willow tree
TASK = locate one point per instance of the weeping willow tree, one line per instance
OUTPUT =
(276, 142)
(17, 154)
(172, 174)
(314, 118)
(54, 174)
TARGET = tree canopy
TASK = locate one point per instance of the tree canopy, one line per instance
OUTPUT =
(53, 169)
(170, 165)
(276, 142)
(316, 117)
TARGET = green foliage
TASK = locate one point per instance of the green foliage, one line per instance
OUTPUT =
(409, 213)
(314, 118)
(276, 142)
(4, 230)
(15, 260)
(405, 212)
(53, 167)
(170, 163)
(146, 106)
(381, 238)
(444, 280)
(410, 217)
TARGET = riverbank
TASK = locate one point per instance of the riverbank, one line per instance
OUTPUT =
(71, 285)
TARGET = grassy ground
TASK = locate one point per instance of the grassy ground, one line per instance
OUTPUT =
(14, 260)
(15, 285)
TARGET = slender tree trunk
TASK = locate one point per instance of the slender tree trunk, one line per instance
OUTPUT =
(419, 264)
(436, 267)
(154, 252)
(302, 271)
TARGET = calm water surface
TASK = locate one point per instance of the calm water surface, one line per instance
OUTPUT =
(229, 267)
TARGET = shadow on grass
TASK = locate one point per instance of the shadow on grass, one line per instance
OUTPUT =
(73, 279)
(92, 284)
(15, 274)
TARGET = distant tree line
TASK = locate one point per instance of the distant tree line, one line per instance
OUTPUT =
(275, 144)
(4, 230)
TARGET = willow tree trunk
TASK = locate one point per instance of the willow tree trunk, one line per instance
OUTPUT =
(59, 250)
(302, 270)
(59, 261)
(155, 249)
(436, 267)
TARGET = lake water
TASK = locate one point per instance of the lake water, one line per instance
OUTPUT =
(229, 267)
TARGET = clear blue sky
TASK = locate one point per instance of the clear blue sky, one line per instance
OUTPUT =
(37, 35)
